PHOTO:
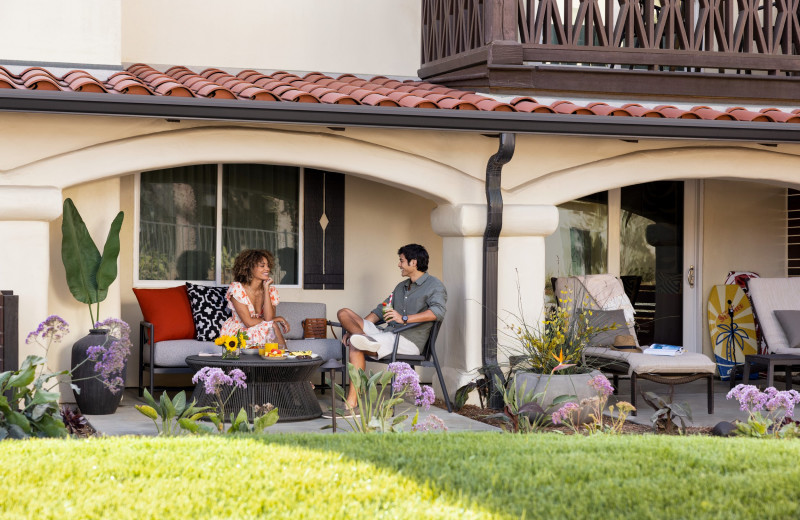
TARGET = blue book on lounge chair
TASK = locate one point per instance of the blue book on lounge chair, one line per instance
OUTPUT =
(661, 349)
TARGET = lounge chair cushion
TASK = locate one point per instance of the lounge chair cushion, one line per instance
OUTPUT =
(770, 295)
(689, 363)
(601, 319)
(597, 291)
(790, 323)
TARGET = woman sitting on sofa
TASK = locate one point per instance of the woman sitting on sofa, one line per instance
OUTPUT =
(253, 299)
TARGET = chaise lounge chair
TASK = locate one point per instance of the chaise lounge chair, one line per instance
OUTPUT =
(601, 294)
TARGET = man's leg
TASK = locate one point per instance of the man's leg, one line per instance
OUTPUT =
(359, 361)
(353, 324)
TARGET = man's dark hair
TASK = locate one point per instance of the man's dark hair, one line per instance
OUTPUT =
(415, 252)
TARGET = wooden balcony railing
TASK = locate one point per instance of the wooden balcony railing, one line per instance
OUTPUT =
(731, 37)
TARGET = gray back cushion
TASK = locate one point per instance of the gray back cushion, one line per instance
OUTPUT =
(607, 319)
(296, 312)
(790, 323)
(770, 295)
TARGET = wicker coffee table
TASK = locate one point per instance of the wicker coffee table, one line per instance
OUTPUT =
(285, 383)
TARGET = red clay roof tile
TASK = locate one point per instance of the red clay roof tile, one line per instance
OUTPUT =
(675, 112)
(742, 114)
(604, 109)
(638, 110)
(780, 116)
(710, 113)
(375, 99)
(316, 87)
(567, 107)
(456, 104)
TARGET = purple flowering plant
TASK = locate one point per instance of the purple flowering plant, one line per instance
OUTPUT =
(214, 380)
(110, 358)
(770, 413)
(570, 413)
(32, 409)
(379, 393)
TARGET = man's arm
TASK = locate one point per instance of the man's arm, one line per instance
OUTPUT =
(372, 317)
(420, 317)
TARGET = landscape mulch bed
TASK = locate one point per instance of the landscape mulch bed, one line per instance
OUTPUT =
(477, 413)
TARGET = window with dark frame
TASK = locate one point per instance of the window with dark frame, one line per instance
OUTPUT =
(179, 221)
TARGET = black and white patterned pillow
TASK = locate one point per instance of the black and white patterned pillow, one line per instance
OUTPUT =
(209, 310)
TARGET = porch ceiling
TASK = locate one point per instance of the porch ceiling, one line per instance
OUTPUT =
(348, 100)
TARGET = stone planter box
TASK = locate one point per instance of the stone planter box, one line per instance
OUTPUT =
(572, 384)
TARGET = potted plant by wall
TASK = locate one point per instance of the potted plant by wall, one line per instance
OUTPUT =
(97, 383)
(548, 360)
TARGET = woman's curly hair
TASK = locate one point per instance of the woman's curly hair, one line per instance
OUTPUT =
(247, 260)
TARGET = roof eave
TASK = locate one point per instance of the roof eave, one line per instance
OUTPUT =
(166, 107)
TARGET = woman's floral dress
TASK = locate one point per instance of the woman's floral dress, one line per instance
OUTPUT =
(259, 334)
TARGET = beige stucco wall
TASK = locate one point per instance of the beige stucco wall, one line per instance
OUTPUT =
(61, 31)
(93, 159)
(303, 35)
(744, 229)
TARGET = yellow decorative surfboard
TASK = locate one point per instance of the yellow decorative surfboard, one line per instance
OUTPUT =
(732, 327)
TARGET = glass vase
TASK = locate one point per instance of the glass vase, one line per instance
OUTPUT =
(230, 354)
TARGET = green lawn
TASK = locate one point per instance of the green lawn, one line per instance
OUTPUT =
(401, 476)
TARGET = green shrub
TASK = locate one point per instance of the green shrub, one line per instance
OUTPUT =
(465, 475)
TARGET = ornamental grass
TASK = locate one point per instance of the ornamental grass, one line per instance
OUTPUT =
(464, 475)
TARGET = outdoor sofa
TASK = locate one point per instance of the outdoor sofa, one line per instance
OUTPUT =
(184, 320)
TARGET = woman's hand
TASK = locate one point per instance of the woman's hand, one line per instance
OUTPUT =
(282, 323)
(269, 281)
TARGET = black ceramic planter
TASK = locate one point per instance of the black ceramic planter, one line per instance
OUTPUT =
(94, 398)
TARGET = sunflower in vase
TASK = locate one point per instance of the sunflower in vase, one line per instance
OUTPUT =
(231, 345)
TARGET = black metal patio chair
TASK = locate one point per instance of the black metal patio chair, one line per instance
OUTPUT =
(426, 358)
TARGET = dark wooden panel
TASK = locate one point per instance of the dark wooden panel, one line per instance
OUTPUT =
(9, 331)
(313, 207)
(323, 255)
(334, 232)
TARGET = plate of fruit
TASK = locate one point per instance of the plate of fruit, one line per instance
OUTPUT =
(274, 353)
(251, 350)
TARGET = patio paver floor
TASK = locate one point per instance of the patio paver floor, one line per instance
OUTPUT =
(128, 421)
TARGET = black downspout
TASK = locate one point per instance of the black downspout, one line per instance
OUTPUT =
(494, 223)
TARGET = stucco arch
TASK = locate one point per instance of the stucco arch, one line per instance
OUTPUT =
(433, 180)
(720, 162)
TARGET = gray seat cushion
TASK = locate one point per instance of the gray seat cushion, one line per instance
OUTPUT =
(296, 312)
(173, 353)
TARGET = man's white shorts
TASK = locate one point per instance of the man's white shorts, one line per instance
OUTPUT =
(386, 339)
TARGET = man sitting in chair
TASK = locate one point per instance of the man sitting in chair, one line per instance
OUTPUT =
(419, 299)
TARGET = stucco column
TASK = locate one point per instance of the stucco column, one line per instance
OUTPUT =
(25, 212)
(521, 261)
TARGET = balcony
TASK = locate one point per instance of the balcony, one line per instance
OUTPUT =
(731, 49)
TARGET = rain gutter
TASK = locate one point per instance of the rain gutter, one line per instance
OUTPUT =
(168, 107)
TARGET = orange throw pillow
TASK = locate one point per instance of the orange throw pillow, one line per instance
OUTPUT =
(169, 312)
